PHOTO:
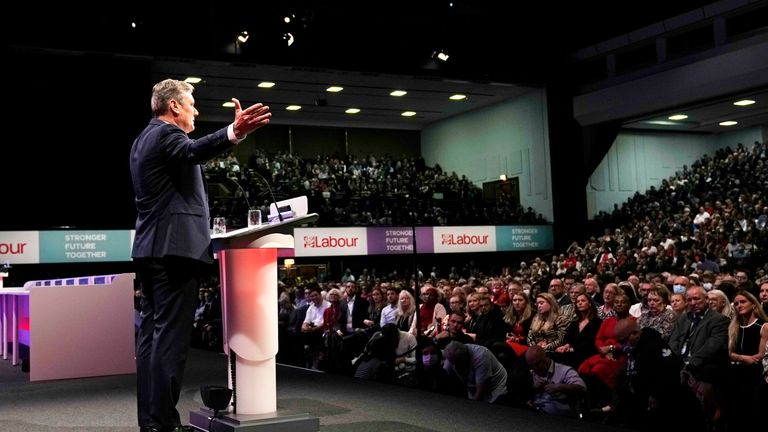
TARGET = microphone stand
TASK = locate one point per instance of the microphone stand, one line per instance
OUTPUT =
(269, 189)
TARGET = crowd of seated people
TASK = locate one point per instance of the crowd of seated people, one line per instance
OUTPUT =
(371, 191)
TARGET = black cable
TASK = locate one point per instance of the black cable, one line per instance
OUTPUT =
(232, 366)
(245, 195)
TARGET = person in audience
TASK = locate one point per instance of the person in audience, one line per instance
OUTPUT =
(636, 309)
(593, 289)
(659, 316)
(478, 370)
(456, 304)
(600, 370)
(473, 302)
(679, 303)
(606, 309)
(389, 312)
(700, 338)
(406, 312)
(518, 317)
(557, 388)
(454, 331)
(747, 340)
(719, 302)
(312, 327)
(548, 325)
(558, 290)
(764, 296)
(490, 327)
(431, 312)
(579, 342)
(649, 393)
(375, 308)
(569, 310)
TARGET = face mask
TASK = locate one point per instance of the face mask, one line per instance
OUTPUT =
(678, 289)
(707, 285)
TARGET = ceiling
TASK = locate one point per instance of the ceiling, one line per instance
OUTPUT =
(427, 96)
(498, 51)
(705, 117)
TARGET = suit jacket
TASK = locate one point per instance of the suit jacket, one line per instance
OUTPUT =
(359, 312)
(171, 195)
(707, 346)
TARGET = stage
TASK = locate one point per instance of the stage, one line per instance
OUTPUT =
(343, 404)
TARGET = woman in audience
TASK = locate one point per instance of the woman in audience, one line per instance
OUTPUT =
(472, 314)
(679, 303)
(719, 302)
(601, 369)
(519, 316)
(606, 309)
(580, 334)
(375, 306)
(406, 312)
(548, 325)
(747, 339)
(658, 316)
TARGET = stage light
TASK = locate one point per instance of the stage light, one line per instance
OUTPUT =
(215, 398)
(334, 89)
(458, 97)
(288, 38)
(729, 123)
(293, 107)
(352, 110)
(408, 113)
(398, 93)
(243, 37)
(228, 104)
(193, 80)
(440, 55)
(266, 84)
(744, 102)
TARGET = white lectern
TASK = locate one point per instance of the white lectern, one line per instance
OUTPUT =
(248, 273)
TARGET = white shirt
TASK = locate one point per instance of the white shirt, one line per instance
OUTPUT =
(388, 315)
(315, 314)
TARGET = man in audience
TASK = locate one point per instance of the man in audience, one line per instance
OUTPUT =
(476, 367)
(557, 388)
(557, 289)
(389, 313)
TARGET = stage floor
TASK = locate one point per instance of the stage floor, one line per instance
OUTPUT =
(343, 404)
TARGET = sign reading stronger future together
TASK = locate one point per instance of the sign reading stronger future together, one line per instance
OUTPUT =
(73, 246)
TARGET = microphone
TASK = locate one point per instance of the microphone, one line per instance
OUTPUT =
(269, 189)
(245, 195)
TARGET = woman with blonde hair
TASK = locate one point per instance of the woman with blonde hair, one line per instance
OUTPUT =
(548, 325)
(519, 316)
(747, 339)
(718, 301)
(406, 312)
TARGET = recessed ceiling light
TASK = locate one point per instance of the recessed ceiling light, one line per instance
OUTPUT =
(228, 104)
(352, 110)
(744, 102)
(293, 107)
(408, 113)
(458, 97)
(398, 93)
(193, 80)
(661, 122)
(678, 117)
(728, 123)
(334, 89)
(266, 84)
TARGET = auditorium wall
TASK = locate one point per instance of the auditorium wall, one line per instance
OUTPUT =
(510, 138)
(638, 160)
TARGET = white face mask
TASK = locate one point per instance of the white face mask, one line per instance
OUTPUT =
(707, 285)
(678, 289)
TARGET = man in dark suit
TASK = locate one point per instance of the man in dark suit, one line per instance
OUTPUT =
(172, 241)
(700, 338)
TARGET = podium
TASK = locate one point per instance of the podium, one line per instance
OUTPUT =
(248, 274)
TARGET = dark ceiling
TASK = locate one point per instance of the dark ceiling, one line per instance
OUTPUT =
(513, 41)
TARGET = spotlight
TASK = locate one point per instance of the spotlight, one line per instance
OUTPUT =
(288, 37)
(243, 37)
(440, 55)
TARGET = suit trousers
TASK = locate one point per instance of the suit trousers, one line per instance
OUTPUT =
(169, 294)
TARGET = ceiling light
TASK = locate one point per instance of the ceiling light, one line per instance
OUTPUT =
(728, 123)
(408, 113)
(661, 122)
(352, 110)
(228, 104)
(503, 177)
(398, 93)
(744, 102)
(192, 80)
(293, 107)
(243, 37)
(266, 84)
(678, 117)
(334, 89)
(458, 97)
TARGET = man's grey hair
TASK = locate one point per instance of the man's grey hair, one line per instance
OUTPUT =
(167, 90)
